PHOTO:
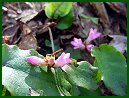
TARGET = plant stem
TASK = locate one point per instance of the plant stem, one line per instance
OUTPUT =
(56, 73)
(51, 38)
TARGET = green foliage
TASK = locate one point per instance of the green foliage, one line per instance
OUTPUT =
(93, 19)
(113, 68)
(98, 74)
(63, 85)
(66, 21)
(85, 92)
(55, 10)
(74, 52)
(19, 76)
(56, 45)
(48, 43)
(5, 92)
(82, 75)
(62, 12)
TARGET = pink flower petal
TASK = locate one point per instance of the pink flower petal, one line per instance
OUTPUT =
(75, 39)
(75, 47)
(35, 60)
(78, 44)
(63, 60)
(73, 43)
(93, 35)
(89, 47)
(67, 55)
(61, 57)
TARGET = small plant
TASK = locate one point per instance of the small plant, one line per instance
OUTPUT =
(60, 62)
(25, 69)
(62, 12)
(78, 44)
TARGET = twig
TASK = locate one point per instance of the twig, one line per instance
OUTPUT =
(58, 51)
(15, 42)
(6, 28)
(51, 38)
(41, 29)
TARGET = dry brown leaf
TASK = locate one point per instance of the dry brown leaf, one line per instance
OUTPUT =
(28, 40)
(102, 13)
(10, 30)
(27, 15)
(119, 7)
(84, 25)
(38, 6)
(119, 42)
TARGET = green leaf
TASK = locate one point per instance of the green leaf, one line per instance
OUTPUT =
(85, 92)
(66, 21)
(48, 43)
(56, 45)
(82, 75)
(113, 67)
(98, 75)
(74, 52)
(5, 92)
(55, 10)
(63, 85)
(18, 76)
(93, 19)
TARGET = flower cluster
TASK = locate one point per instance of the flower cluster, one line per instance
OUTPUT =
(50, 61)
(78, 44)
(64, 58)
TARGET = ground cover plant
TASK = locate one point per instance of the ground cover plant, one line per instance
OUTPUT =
(64, 49)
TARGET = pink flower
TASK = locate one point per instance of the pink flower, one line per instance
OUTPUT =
(93, 35)
(35, 60)
(60, 62)
(63, 60)
(78, 44)
(89, 47)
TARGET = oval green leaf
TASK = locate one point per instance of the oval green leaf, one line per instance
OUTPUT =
(18, 76)
(113, 68)
(55, 10)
